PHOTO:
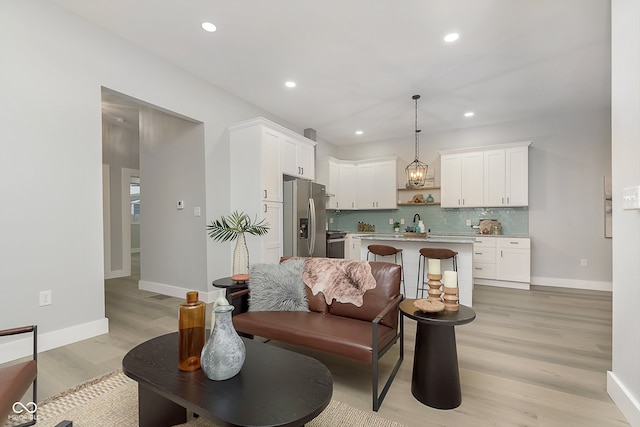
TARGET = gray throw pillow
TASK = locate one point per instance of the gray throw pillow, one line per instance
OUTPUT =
(277, 287)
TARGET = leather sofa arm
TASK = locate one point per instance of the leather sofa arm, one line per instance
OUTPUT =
(392, 304)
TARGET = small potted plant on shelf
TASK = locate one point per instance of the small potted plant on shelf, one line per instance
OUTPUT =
(396, 226)
(234, 227)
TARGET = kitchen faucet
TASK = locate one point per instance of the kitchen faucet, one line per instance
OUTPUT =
(414, 217)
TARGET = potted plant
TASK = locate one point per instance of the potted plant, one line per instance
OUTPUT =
(396, 226)
(234, 227)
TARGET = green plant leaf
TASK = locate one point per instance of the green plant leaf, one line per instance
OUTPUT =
(228, 227)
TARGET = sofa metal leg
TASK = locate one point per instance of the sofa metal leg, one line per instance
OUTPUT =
(377, 400)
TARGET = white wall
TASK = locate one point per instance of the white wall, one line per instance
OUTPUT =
(53, 68)
(568, 159)
(120, 149)
(623, 382)
(173, 253)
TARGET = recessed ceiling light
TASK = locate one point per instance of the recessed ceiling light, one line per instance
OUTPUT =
(290, 84)
(208, 26)
(359, 132)
(451, 37)
(469, 114)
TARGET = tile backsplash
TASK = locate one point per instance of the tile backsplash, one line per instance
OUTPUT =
(435, 218)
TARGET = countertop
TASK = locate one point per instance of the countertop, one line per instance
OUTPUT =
(431, 237)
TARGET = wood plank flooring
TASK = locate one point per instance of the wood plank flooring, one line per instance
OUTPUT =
(531, 358)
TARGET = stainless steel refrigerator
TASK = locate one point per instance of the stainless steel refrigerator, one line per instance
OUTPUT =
(305, 219)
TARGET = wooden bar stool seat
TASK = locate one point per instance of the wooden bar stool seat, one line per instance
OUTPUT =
(386, 250)
(432, 253)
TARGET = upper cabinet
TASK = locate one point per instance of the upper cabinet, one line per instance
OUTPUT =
(297, 157)
(376, 184)
(366, 184)
(506, 180)
(461, 180)
(494, 176)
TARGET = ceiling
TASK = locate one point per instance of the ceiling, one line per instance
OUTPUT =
(357, 63)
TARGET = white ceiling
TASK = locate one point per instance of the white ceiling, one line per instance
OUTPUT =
(358, 62)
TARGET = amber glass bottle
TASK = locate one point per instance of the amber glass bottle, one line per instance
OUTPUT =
(190, 332)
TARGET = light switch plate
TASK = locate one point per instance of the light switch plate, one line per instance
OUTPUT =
(180, 204)
(631, 197)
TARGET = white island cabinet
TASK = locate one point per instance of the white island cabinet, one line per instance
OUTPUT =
(411, 252)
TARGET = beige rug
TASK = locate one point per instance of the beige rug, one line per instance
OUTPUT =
(112, 401)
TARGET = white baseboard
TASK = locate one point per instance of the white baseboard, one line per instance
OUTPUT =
(592, 285)
(23, 347)
(176, 291)
(114, 274)
(624, 400)
(502, 283)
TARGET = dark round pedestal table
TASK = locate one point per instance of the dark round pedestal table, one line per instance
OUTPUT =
(436, 379)
(241, 304)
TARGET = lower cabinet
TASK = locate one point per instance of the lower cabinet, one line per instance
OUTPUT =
(502, 261)
(352, 247)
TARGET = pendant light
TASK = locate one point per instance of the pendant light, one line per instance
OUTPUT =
(416, 171)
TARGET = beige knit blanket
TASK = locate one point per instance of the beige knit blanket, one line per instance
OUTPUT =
(344, 280)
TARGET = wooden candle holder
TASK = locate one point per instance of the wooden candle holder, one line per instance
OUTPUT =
(450, 299)
(434, 286)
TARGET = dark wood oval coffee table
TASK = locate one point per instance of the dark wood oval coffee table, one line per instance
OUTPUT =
(275, 387)
(436, 379)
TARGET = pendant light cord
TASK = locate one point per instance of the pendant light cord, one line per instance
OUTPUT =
(416, 97)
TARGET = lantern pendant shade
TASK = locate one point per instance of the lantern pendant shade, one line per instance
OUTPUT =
(416, 171)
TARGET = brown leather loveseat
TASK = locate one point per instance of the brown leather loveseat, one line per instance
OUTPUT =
(363, 333)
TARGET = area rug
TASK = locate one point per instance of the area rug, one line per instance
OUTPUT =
(112, 401)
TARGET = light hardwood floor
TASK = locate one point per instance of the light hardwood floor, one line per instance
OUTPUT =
(531, 358)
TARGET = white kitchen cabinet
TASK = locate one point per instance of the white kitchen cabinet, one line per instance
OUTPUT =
(513, 260)
(271, 242)
(352, 247)
(506, 177)
(347, 185)
(376, 184)
(255, 178)
(484, 258)
(297, 157)
(462, 180)
(328, 173)
(502, 261)
(271, 177)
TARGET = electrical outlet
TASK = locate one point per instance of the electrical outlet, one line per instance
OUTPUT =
(180, 204)
(468, 223)
(401, 220)
(390, 221)
(196, 211)
(46, 298)
(583, 262)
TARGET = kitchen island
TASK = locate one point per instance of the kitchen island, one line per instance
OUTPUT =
(411, 252)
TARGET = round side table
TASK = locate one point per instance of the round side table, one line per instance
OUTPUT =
(241, 304)
(436, 379)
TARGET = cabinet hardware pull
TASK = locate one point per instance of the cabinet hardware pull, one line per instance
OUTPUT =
(501, 254)
(478, 253)
(265, 193)
(503, 200)
(477, 268)
(514, 243)
(265, 207)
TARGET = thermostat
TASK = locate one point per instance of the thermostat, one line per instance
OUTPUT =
(631, 197)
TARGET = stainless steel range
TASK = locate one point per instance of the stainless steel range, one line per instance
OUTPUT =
(335, 243)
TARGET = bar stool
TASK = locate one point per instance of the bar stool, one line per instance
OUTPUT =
(432, 253)
(385, 250)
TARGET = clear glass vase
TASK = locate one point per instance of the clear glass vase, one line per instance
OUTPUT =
(224, 353)
(240, 256)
